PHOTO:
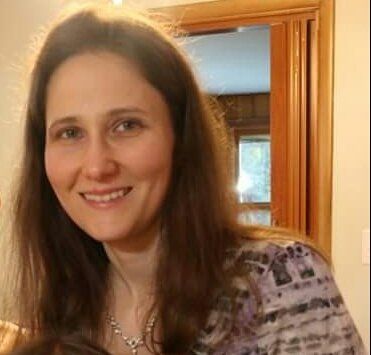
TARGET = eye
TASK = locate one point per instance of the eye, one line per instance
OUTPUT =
(128, 127)
(70, 133)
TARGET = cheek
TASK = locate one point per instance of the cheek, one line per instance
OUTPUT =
(153, 160)
(58, 168)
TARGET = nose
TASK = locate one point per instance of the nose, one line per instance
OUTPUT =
(99, 162)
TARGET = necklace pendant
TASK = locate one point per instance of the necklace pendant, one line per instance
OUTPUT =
(134, 342)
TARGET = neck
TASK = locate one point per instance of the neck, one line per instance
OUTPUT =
(133, 267)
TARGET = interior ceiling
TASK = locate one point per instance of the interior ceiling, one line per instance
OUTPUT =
(227, 63)
(232, 63)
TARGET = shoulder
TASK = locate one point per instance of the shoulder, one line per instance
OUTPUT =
(288, 273)
(284, 274)
(302, 308)
(292, 279)
(275, 263)
(10, 336)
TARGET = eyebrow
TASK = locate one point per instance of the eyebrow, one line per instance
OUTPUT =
(111, 113)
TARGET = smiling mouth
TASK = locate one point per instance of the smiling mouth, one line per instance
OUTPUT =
(107, 197)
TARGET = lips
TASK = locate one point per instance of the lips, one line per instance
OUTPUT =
(105, 196)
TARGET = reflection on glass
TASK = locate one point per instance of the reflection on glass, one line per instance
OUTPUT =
(254, 180)
(258, 216)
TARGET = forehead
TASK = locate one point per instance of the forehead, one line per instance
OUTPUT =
(93, 82)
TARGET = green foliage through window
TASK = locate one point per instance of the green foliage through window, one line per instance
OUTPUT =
(254, 181)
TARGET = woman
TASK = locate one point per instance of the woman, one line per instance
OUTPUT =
(125, 217)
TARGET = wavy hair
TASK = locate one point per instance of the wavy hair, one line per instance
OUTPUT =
(63, 345)
(63, 282)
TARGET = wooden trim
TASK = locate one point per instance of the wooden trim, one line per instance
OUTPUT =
(232, 13)
(251, 125)
(224, 14)
(303, 28)
(293, 117)
(254, 206)
(208, 27)
(312, 130)
(279, 131)
(297, 125)
(323, 175)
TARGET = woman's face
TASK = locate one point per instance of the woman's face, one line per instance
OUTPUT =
(109, 145)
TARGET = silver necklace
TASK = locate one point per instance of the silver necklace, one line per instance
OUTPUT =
(134, 342)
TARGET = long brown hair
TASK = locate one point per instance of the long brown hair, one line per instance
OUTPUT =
(60, 345)
(63, 276)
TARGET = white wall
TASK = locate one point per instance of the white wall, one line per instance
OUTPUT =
(351, 184)
(159, 3)
(19, 21)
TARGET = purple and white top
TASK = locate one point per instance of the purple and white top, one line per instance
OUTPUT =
(303, 311)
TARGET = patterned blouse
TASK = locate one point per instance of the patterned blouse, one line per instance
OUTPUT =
(303, 312)
(302, 309)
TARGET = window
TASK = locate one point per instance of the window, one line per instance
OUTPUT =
(253, 184)
(254, 179)
(248, 118)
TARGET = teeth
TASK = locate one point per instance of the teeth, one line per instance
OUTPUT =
(108, 197)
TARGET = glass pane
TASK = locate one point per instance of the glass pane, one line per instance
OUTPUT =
(256, 217)
(254, 180)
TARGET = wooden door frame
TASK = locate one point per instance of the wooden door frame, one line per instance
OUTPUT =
(223, 14)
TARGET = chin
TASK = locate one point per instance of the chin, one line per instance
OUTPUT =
(107, 237)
